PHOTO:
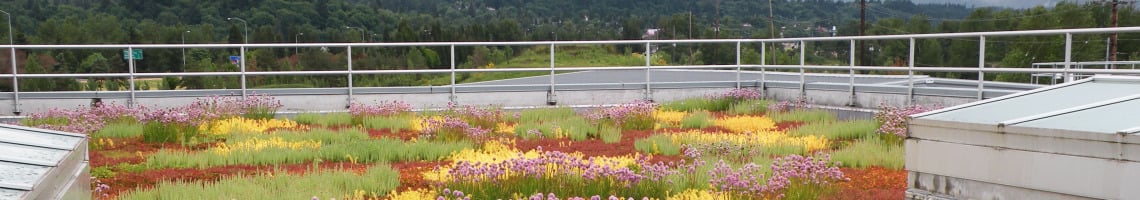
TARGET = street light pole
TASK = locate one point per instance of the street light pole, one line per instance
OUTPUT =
(297, 39)
(15, 81)
(184, 49)
(362, 32)
(244, 27)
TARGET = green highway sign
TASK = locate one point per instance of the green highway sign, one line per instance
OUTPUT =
(137, 54)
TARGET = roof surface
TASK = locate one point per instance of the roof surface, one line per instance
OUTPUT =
(1102, 104)
(29, 156)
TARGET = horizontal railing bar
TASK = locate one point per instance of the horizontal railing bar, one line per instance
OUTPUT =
(429, 71)
(697, 41)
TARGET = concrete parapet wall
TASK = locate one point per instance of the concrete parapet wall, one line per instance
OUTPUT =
(978, 171)
(309, 100)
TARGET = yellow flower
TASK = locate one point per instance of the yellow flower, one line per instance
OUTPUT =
(259, 144)
(359, 194)
(504, 128)
(669, 117)
(350, 158)
(766, 138)
(417, 194)
(418, 122)
(243, 125)
(743, 124)
(494, 152)
(693, 194)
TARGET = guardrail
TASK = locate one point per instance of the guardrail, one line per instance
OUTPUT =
(551, 87)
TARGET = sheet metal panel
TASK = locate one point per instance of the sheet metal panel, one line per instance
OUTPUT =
(1107, 119)
(20, 176)
(1047, 101)
(40, 139)
(6, 194)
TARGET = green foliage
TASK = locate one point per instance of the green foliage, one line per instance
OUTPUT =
(565, 122)
(610, 134)
(838, 130)
(871, 151)
(171, 83)
(566, 186)
(344, 145)
(119, 130)
(657, 144)
(286, 85)
(574, 127)
(750, 107)
(808, 191)
(547, 114)
(699, 177)
(158, 132)
(695, 104)
(102, 172)
(326, 119)
(394, 123)
(801, 115)
(638, 122)
(377, 180)
(130, 168)
(32, 122)
(33, 66)
(698, 120)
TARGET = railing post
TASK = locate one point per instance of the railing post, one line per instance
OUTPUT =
(243, 86)
(851, 74)
(15, 84)
(131, 71)
(551, 98)
(349, 77)
(1068, 57)
(803, 73)
(738, 65)
(910, 74)
(648, 64)
(763, 72)
(981, 66)
(452, 97)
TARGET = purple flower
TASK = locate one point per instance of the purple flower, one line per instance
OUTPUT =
(894, 119)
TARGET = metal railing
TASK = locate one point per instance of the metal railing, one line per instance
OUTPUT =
(802, 67)
(1054, 77)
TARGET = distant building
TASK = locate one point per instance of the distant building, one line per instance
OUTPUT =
(650, 34)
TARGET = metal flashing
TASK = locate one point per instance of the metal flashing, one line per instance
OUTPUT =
(1068, 110)
(1002, 98)
(1133, 130)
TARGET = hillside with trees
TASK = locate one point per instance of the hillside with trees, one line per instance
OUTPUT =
(335, 21)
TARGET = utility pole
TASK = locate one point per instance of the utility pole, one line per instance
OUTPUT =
(1113, 39)
(716, 24)
(862, 31)
(771, 19)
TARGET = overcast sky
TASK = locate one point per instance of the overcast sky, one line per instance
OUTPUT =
(1000, 3)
